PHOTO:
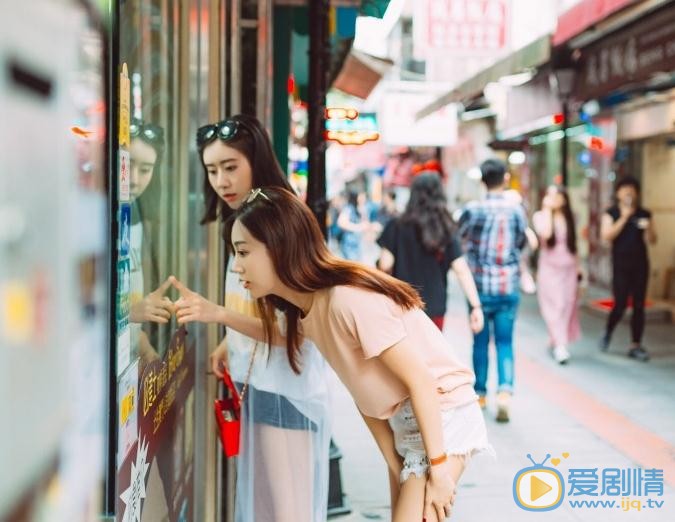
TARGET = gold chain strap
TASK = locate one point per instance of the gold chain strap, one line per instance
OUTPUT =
(244, 388)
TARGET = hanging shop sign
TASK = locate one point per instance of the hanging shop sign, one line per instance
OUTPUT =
(460, 26)
(631, 55)
(400, 127)
(347, 127)
(155, 479)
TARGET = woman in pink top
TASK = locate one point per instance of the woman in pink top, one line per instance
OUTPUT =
(558, 271)
(415, 396)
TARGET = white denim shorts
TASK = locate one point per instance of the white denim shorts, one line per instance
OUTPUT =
(464, 434)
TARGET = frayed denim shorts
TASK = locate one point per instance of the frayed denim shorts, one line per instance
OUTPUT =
(464, 434)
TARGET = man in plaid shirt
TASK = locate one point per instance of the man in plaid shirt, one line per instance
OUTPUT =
(493, 233)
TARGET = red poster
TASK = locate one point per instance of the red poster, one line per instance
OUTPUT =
(155, 481)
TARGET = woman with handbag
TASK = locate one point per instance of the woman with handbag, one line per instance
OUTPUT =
(282, 466)
(414, 394)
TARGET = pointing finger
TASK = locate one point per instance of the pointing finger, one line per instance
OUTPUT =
(161, 290)
(182, 289)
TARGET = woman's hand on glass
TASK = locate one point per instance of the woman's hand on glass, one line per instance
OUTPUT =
(476, 320)
(192, 307)
(439, 494)
(220, 360)
(155, 306)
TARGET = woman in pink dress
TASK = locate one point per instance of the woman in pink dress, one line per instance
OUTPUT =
(558, 271)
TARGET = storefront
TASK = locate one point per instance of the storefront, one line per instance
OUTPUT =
(170, 79)
(628, 76)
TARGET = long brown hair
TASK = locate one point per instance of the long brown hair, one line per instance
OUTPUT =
(254, 143)
(569, 222)
(303, 263)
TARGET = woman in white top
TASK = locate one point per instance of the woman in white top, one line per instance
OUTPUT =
(282, 468)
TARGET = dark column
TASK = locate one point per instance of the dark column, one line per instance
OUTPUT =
(319, 60)
(282, 65)
(563, 151)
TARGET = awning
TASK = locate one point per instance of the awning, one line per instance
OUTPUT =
(360, 73)
(532, 55)
(585, 14)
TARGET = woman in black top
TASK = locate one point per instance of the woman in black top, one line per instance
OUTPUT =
(420, 247)
(628, 227)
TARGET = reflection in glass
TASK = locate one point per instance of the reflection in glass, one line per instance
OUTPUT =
(149, 304)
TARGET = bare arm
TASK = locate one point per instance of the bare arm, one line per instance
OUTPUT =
(219, 359)
(386, 261)
(461, 268)
(543, 223)
(194, 307)
(384, 438)
(404, 362)
(250, 326)
(532, 239)
(345, 224)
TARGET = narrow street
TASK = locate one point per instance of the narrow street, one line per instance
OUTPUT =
(605, 410)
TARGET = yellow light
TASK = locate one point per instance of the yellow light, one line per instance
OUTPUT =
(352, 137)
(339, 113)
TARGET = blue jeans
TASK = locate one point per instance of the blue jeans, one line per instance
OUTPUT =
(500, 314)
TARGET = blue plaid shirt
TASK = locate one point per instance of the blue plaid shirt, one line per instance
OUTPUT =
(493, 233)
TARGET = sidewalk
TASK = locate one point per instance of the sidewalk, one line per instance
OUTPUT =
(605, 410)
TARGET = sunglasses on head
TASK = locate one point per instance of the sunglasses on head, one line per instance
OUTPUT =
(148, 131)
(224, 130)
(254, 193)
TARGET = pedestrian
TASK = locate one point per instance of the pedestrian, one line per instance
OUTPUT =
(387, 210)
(337, 203)
(353, 221)
(282, 468)
(414, 394)
(493, 231)
(628, 226)
(421, 246)
(558, 271)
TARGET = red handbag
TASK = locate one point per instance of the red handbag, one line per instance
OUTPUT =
(228, 411)
(228, 417)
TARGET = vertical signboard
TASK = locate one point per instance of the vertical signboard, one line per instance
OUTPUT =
(460, 26)
(155, 478)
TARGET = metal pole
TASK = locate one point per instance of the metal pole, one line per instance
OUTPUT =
(319, 56)
(563, 152)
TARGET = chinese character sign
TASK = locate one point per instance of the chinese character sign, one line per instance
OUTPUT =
(466, 25)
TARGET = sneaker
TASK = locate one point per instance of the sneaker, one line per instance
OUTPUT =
(603, 344)
(639, 354)
(560, 354)
(503, 402)
(482, 402)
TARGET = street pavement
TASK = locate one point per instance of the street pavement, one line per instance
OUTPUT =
(601, 410)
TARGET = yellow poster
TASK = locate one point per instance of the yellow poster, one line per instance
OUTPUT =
(125, 102)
